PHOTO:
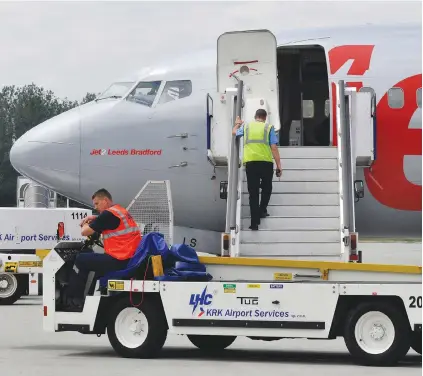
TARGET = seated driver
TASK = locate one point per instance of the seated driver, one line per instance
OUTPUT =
(121, 237)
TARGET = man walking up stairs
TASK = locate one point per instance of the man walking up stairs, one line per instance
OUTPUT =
(260, 144)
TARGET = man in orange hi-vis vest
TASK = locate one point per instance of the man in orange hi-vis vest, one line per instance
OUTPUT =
(121, 237)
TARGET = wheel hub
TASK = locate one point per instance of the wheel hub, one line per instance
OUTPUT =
(131, 327)
(8, 285)
(374, 332)
(136, 327)
(3, 284)
(377, 332)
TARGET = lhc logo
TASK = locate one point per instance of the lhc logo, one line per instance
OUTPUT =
(199, 300)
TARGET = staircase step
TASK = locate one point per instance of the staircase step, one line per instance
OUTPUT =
(304, 208)
(308, 152)
(315, 163)
(305, 175)
(289, 249)
(299, 199)
(301, 187)
(296, 211)
(294, 224)
(262, 236)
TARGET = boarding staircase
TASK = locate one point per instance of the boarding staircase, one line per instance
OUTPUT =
(312, 207)
(304, 211)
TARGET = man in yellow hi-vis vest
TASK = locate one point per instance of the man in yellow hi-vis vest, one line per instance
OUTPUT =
(260, 144)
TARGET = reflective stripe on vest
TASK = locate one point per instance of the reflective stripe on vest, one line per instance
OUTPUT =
(122, 242)
(264, 140)
(127, 229)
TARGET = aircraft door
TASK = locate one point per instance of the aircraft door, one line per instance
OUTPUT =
(251, 56)
(363, 127)
(345, 156)
(356, 124)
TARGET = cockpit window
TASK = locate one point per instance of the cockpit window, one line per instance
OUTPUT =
(145, 93)
(116, 90)
(174, 90)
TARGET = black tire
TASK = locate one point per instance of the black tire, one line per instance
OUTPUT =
(416, 342)
(399, 346)
(18, 292)
(156, 333)
(211, 343)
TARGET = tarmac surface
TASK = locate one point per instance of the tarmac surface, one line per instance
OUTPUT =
(25, 349)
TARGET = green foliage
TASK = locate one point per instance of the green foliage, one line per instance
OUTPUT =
(22, 108)
(88, 98)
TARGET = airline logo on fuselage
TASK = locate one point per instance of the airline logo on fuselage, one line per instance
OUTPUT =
(395, 139)
(124, 152)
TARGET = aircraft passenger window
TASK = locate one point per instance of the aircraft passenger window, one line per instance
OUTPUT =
(174, 90)
(327, 107)
(308, 108)
(395, 97)
(145, 93)
(419, 98)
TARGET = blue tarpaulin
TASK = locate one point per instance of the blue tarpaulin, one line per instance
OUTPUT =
(180, 262)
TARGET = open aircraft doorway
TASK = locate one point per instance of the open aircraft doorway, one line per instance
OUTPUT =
(303, 96)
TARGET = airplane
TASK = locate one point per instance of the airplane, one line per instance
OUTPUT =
(154, 126)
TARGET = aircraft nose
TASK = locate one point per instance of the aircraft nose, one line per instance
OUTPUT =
(49, 153)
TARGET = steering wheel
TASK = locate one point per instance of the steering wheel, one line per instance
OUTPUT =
(94, 239)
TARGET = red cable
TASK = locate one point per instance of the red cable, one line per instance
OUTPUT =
(142, 296)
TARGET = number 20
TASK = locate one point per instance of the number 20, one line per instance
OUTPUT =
(415, 300)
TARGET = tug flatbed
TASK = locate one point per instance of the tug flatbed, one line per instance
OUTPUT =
(378, 314)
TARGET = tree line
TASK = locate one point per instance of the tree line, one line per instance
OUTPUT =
(22, 108)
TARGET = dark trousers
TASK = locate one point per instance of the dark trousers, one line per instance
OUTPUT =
(259, 174)
(87, 262)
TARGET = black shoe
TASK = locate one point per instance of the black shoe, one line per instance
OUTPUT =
(73, 305)
(253, 227)
(264, 214)
(73, 308)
